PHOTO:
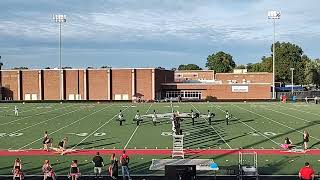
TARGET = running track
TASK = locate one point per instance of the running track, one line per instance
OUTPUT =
(39, 152)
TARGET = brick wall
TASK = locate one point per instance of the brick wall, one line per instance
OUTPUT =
(97, 84)
(121, 82)
(30, 84)
(181, 76)
(224, 91)
(73, 83)
(51, 84)
(252, 77)
(162, 76)
(143, 79)
(9, 80)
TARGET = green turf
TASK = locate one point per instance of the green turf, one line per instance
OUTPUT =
(93, 125)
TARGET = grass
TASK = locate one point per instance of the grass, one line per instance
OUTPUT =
(93, 125)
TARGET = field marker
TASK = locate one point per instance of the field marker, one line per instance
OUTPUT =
(252, 128)
(97, 128)
(135, 130)
(66, 125)
(213, 128)
(32, 116)
(276, 122)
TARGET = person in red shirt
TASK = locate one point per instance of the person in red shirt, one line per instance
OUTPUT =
(306, 173)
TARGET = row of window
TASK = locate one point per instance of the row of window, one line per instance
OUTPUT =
(183, 94)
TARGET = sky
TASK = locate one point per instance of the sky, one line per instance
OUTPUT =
(151, 33)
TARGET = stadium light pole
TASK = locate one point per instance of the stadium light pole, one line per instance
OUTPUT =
(292, 79)
(274, 15)
(59, 18)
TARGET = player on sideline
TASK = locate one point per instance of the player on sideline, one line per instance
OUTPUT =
(121, 118)
(137, 118)
(228, 117)
(154, 118)
(210, 116)
(16, 111)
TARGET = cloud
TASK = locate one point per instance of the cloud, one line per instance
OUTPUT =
(180, 26)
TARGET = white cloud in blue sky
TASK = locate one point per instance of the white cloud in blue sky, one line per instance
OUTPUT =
(151, 33)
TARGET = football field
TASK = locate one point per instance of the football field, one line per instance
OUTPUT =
(92, 127)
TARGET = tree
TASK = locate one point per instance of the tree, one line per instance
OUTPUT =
(19, 68)
(47, 68)
(162, 68)
(220, 62)
(67, 67)
(312, 72)
(1, 64)
(106, 67)
(241, 66)
(189, 67)
(289, 56)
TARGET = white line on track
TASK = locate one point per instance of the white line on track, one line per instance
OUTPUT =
(213, 128)
(275, 121)
(135, 130)
(252, 128)
(66, 126)
(96, 130)
(26, 117)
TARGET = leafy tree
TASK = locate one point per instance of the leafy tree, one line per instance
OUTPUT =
(220, 62)
(1, 64)
(47, 68)
(241, 66)
(67, 67)
(19, 68)
(173, 69)
(162, 68)
(312, 72)
(189, 67)
(106, 67)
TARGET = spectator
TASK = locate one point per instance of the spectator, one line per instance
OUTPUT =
(17, 174)
(17, 165)
(74, 170)
(98, 164)
(124, 160)
(113, 167)
(48, 172)
(306, 173)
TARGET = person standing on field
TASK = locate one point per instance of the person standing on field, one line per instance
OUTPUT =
(124, 161)
(98, 164)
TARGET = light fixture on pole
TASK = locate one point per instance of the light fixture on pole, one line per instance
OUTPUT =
(58, 18)
(292, 79)
(274, 15)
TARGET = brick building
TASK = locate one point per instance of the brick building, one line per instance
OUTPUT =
(127, 83)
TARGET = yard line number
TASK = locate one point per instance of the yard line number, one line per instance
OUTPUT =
(265, 133)
(11, 134)
(86, 134)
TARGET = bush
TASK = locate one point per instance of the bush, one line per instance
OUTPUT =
(211, 98)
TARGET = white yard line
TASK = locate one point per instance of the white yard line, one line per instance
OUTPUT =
(275, 121)
(26, 117)
(300, 110)
(96, 130)
(65, 126)
(252, 128)
(135, 130)
(213, 128)
(287, 114)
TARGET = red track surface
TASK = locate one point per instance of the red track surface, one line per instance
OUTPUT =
(37, 152)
